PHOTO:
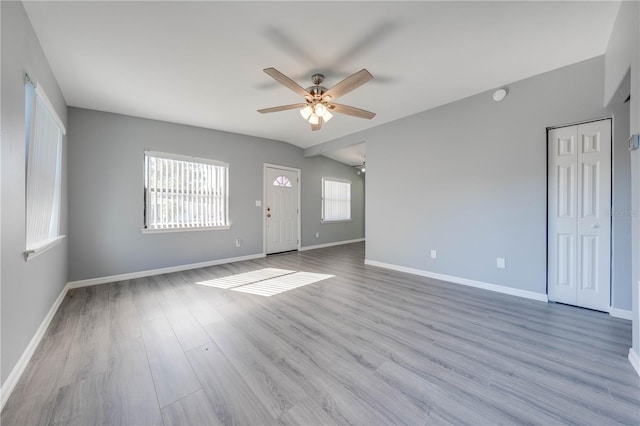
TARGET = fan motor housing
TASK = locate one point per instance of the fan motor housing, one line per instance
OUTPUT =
(316, 90)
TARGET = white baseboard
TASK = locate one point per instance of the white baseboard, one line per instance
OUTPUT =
(9, 385)
(621, 313)
(152, 272)
(337, 243)
(634, 360)
(464, 281)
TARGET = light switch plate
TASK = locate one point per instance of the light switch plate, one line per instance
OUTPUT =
(634, 142)
(258, 203)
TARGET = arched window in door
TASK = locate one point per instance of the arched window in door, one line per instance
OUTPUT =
(282, 181)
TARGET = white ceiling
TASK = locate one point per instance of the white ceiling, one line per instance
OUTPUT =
(200, 63)
(354, 155)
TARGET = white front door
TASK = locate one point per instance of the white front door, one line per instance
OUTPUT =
(281, 209)
(579, 230)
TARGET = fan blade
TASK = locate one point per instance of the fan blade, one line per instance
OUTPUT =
(286, 81)
(318, 126)
(348, 84)
(353, 111)
(281, 108)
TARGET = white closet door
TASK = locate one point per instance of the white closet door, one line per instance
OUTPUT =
(562, 214)
(579, 234)
(594, 223)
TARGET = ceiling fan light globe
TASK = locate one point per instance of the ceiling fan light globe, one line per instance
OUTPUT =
(314, 119)
(327, 116)
(306, 112)
(320, 110)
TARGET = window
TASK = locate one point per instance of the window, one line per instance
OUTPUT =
(44, 131)
(282, 181)
(336, 200)
(185, 193)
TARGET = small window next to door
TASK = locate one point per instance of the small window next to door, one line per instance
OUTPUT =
(336, 200)
(282, 181)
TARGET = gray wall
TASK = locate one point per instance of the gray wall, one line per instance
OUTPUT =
(469, 179)
(106, 194)
(635, 186)
(29, 289)
(622, 59)
(621, 213)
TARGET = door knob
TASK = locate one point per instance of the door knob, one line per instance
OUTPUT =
(269, 215)
(594, 226)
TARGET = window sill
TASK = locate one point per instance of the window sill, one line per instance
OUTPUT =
(165, 230)
(336, 221)
(32, 252)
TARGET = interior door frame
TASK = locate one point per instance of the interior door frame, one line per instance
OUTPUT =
(577, 123)
(265, 166)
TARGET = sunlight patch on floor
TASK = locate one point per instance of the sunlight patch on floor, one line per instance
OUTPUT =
(245, 278)
(281, 284)
(266, 282)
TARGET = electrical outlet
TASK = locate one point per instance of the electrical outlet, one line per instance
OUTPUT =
(434, 254)
(317, 234)
(500, 263)
(258, 203)
(237, 242)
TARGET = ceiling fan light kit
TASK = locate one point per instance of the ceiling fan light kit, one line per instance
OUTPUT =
(306, 112)
(320, 109)
(319, 100)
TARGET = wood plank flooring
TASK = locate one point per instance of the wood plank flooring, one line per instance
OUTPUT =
(366, 347)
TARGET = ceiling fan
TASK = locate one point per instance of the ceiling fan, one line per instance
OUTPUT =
(319, 105)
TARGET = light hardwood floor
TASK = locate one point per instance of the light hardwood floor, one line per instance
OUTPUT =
(367, 347)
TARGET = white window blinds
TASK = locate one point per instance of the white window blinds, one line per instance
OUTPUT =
(44, 156)
(336, 200)
(185, 192)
